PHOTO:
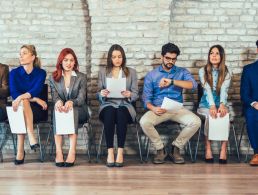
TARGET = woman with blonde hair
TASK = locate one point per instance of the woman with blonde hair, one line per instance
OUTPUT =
(26, 83)
(215, 78)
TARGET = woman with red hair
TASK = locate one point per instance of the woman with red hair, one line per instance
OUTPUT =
(68, 89)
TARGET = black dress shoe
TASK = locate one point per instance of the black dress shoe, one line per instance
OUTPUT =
(34, 147)
(60, 164)
(223, 161)
(67, 164)
(209, 160)
(108, 164)
(19, 162)
(117, 164)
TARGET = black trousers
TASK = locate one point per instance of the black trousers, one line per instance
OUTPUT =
(111, 116)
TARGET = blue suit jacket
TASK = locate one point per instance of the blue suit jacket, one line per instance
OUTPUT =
(249, 84)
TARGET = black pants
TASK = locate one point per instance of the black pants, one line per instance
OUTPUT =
(120, 117)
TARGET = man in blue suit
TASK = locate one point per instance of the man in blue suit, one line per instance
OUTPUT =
(249, 96)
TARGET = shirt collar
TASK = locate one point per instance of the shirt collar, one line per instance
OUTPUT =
(173, 69)
(73, 73)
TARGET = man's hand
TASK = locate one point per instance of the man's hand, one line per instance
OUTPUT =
(255, 105)
(158, 110)
(164, 82)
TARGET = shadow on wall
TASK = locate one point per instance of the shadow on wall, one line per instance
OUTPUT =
(248, 56)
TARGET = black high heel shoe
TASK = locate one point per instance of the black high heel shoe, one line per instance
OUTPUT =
(209, 160)
(223, 161)
(34, 147)
(67, 164)
(60, 164)
(19, 162)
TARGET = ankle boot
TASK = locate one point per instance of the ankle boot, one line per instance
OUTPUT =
(159, 157)
(175, 156)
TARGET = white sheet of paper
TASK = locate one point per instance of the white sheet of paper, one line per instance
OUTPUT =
(115, 87)
(219, 128)
(16, 120)
(64, 122)
(171, 105)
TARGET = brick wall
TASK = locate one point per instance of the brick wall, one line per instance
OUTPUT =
(90, 27)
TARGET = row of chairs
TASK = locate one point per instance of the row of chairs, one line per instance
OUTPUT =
(88, 136)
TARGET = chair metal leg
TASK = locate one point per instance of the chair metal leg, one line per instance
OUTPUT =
(100, 143)
(40, 145)
(197, 144)
(241, 135)
(190, 151)
(139, 142)
(247, 153)
(87, 142)
(148, 150)
(46, 144)
(236, 144)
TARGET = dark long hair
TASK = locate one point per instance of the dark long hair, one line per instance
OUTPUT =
(223, 70)
(57, 74)
(109, 59)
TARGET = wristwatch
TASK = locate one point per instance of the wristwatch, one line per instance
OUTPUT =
(172, 82)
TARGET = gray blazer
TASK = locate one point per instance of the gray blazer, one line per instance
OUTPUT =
(131, 85)
(77, 94)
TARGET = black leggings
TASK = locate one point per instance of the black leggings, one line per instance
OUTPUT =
(120, 117)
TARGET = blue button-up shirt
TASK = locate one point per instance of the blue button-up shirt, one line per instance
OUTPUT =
(153, 94)
(20, 82)
(210, 96)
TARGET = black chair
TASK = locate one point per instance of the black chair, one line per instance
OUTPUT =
(188, 148)
(38, 121)
(202, 117)
(136, 125)
(243, 129)
(87, 133)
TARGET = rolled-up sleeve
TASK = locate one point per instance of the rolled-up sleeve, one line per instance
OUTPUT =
(206, 87)
(224, 88)
(189, 77)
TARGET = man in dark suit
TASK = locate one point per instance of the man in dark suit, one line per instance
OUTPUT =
(249, 96)
(4, 90)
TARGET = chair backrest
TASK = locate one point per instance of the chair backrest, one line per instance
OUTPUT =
(199, 92)
(44, 96)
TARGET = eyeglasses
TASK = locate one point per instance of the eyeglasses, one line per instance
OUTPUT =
(170, 59)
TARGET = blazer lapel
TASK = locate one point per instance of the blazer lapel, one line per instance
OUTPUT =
(62, 88)
(72, 81)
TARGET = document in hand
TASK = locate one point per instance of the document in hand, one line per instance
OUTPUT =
(219, 128)
(64, 122)
(16, 120)
(115, 87)
(171, 105)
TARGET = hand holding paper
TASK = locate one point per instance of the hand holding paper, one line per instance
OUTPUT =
(16, 120)
(64, 122)
(219, 128)
(116, 87)
(171, 105)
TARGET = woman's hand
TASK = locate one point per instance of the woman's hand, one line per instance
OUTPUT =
(59, 106)
(222, 110)
(126, 94)
(104, 92)
(213, 111)
(16, 103)
(42, 103)
(68, 106)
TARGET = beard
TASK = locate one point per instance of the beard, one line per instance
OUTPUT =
(168, 66)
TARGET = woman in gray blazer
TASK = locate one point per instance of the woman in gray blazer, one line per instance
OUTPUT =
(68, 89)
(117, 111)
